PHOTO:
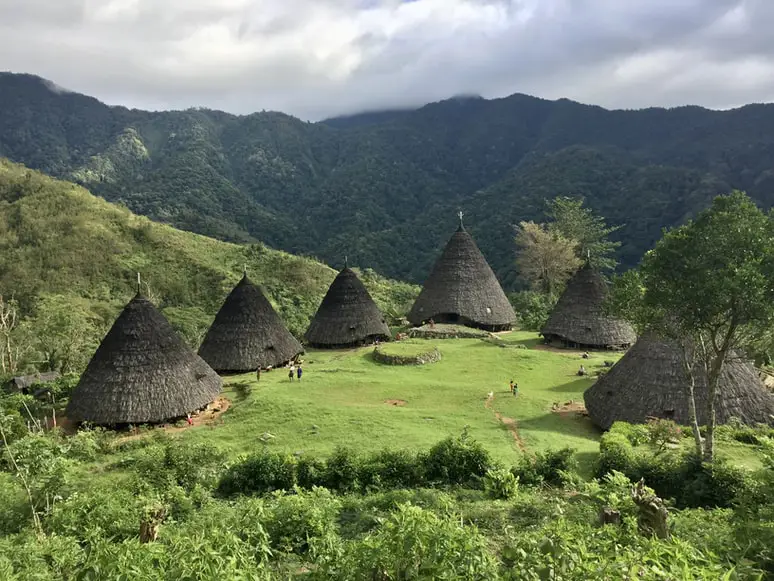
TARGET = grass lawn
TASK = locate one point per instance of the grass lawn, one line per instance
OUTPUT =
(342, 401)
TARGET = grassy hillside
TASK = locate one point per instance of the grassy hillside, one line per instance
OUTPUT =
(384, 187)
(58, 239)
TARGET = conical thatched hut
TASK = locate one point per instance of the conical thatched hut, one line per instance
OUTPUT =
(578, 319)
(347, 315)
(247, 333)
(650, 381)
(462, 289)
(142, 372)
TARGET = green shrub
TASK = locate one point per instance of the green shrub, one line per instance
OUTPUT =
(292, 520)
(414, 543)
(532, 308)
(500, 483)
(258, 474)
(310, 472)
(177, 463)
(106, 513)
(391, 469)
(552, 467)
(342, 469)
(456, 461)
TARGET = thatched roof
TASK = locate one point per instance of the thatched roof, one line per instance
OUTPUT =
(650, 381)
(23, 382)
(463, 285)
(247, 333)
(578, 317)
(347, 315)
(142, 372)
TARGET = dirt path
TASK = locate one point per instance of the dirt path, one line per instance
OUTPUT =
(203, 418)
(511, 425)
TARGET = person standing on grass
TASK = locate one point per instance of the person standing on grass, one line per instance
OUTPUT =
(299, 371)
(291, 372)
(258, 374)
(512, 386)
(189, 420)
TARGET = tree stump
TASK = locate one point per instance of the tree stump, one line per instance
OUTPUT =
(149, 525)
(609, 516)
(652, 517)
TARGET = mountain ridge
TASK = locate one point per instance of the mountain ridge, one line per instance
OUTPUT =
(379, 184)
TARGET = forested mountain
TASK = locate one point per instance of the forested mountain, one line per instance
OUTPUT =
(384, 188)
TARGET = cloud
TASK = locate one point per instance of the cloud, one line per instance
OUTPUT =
(315, 58)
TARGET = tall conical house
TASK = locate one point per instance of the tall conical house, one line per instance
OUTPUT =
(247, 333)
(649, 381)
(142, 372)
(579, 320)
(347, 315)
(462, 289)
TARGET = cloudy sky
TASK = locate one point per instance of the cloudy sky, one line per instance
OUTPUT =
(316, 58)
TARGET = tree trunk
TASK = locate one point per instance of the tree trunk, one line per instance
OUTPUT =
(149, 526)
(713, 377)
(688, 368)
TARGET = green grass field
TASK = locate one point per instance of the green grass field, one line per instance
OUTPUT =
(342, 397)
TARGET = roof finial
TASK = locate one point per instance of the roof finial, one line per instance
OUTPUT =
(244, 269)
(139, 284)
(346, 262)
(460, 214)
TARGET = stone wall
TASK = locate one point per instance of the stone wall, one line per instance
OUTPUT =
(418, 359)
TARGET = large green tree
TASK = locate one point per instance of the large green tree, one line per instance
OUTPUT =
(569, 219)
(709, 285)
(545, 259)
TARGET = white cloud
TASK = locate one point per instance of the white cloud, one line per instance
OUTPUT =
(315, 58)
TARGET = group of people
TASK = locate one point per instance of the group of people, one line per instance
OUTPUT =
(295, 369)
(514, 388)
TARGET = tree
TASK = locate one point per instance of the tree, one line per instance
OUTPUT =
(66, 332)
(13, 339)
(574, 222)
(546, 259)
(709, 285)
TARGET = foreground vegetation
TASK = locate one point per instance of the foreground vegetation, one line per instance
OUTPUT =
(328, 478)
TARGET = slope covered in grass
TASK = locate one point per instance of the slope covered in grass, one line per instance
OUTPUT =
(58, 239)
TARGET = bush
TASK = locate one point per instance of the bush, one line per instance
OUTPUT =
(552, 467)
(500, 483)
(672, 474)
(414, 544)
(310, 472)
(456, 461)
(391, 469)
(102, 513)
(342, 470)
(183, 464)
(293, 520)
(258, 474)
(532, 308)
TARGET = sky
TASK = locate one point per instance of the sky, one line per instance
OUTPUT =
(320, 58)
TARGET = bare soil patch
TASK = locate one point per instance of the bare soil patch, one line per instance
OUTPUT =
(395, 402)
(570, 408)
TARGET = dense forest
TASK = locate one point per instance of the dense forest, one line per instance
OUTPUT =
(68, 262)
(384, 188)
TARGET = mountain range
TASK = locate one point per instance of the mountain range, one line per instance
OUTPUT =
(384, 188)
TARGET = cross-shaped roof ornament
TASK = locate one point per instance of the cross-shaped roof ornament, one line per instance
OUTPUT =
(460, 214)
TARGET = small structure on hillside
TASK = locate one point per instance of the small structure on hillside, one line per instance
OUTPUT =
(142, 372)
(462, 289)
(247, 333)
(578, 319)
(31, 383)
(347, 315)
(650, 382)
